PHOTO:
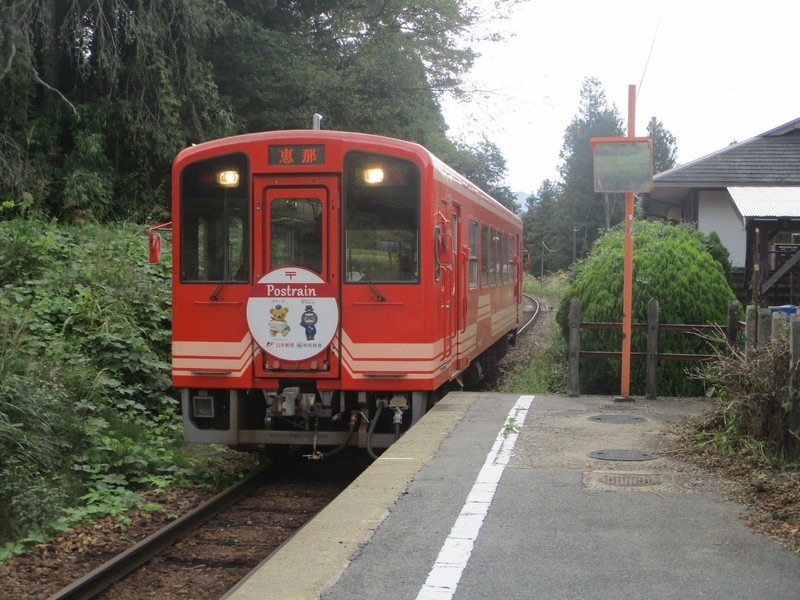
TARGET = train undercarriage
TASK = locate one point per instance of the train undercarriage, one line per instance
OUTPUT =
(298, 414)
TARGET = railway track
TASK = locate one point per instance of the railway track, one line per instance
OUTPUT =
(123, 564)
(114, 578)
(530, 309)
(205, 552)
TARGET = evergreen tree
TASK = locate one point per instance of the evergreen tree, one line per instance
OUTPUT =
(537, 222)
(665, 148)
(484, 165)
(99, 96)
(580, 206)
(670, 264)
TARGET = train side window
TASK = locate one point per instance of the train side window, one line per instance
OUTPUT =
(493, 262)
(473, 255)
(504, 258)
(213, 220)
(484, 255)
(382, 198)
(512, 271)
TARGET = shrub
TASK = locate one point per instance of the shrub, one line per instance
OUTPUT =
(755, 393)
(85, 405)
(670, 264)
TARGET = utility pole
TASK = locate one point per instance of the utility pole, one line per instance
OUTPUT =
(575, 231)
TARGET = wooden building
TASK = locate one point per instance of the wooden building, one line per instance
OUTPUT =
(749, 193)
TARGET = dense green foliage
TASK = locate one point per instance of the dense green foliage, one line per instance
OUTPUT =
(99, 96)
(670, 264)
(84, 379)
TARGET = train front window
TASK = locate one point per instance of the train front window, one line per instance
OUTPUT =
(295, 234)
(214, 223)
(381, 219)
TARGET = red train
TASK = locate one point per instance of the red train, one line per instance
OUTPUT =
(329, 287)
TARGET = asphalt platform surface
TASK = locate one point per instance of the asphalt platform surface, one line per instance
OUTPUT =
(498, 496)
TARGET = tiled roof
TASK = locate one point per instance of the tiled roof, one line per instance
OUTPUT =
(769, 159)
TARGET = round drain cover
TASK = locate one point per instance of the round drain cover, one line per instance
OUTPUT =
(622, 455)
(617, 419)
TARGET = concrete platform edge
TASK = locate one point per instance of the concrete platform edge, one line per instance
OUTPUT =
(316, 556)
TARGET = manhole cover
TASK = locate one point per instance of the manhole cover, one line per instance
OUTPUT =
(622, 455)
(628, 479)
(617, 419)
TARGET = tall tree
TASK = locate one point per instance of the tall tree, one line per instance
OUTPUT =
(99, 95)
(375, 68)
(538, 220)
(665, 147)
(485, 166)
(579, 206)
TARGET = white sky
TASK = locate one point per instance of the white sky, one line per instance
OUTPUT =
(720, 70)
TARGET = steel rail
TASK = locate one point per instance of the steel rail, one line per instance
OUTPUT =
(535, 313)
(123, 564)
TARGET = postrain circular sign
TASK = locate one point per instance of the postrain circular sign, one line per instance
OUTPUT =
(292, 313)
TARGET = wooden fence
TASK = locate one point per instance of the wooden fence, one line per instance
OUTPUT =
(764, 325)
(761, 326)
(652, 355)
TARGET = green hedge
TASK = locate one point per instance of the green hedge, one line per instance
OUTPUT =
(671, 264)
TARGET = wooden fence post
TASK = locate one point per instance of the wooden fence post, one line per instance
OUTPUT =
(764, 325)
(732, 333)
(793, 445)
(651, 375)
(574, 344)
(750, 330)
(779, 325)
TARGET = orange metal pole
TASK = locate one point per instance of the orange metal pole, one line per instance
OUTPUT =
(627, 277)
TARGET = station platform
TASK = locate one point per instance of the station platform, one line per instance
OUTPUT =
(496, 496)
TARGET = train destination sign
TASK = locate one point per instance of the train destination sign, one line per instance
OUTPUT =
(292, 313)
(622, 164)
(294, 154)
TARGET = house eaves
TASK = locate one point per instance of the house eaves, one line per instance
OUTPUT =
(767, 160)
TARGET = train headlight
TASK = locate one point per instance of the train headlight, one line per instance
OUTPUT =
(228, 178)
(374, 175)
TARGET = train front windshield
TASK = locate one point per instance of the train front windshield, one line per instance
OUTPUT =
(214, 230)
(382, 216)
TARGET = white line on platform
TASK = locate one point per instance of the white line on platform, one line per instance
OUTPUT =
(455, 553)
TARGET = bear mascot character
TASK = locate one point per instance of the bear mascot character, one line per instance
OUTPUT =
(278, 323)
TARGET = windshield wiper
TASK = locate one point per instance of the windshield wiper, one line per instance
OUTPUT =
(378, 296)
(217, 291)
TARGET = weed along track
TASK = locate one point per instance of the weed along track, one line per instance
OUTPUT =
(204, 561)
(211, 554)
(216, 556)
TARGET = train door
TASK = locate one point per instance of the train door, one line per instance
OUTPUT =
(459, 294)
(295, 224)
(449, 278)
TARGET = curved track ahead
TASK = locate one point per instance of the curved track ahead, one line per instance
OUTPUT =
(530, 306)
